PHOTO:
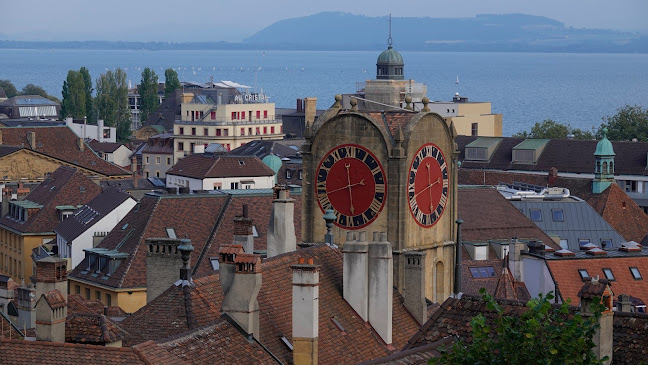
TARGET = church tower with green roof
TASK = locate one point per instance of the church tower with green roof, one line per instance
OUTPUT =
(604, 168)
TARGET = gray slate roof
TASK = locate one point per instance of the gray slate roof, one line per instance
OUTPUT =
(89, 214)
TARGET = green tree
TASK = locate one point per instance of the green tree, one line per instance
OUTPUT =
(8, 88)
(111, 102)
(74, 101)
(148, 91)
(553, 130)
(544, 334)
(628, 123)
(87, 83)
(171, 82)
(31, 89)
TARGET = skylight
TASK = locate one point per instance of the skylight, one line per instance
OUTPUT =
(215, 264)
(482, 272)
(557, 215)
(608, 274)
(286, 342)
(583, 274)
(635, 273)
(171, 233)
(536, 215)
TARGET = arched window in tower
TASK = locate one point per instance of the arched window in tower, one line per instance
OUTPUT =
(605, 167)
(440, 280)
(598, 167)
(612, 167)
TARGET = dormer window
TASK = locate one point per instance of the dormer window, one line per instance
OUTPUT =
(481, 149)
(528, 151)
(482, 272)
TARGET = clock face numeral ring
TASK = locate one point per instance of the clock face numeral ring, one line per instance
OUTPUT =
(427, 185)
(351, 181)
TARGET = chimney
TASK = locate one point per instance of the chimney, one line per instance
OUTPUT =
(305, 312)
(185, 249)
(536, 247)
(26, 305)
(226, 267)
(80, 144)
(553, 176)
(310, 109)
(415, 285)
(300, 105)
(100, 128)
(624, 304)
(515, 259)
(381, 286)
(594, 292)
(355, 273)
(134, 165)
(281, 230)
(243, 231)
(162, 262)
(31, 138)
(240, 301)
(187, 97)
(51, 294)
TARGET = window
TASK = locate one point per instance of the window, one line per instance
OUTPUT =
(157, 160)
(147, 159)
(630, 186)
(157, 173)
(215, 264)
(108, 300)
(557, 215)
(583, 241)
(258, 114)
(475, 153)
(564, 244)
(474, 129)
(608, 274)
(300, 174)
(583, 274)
(635, 273)
(288, 174)
(181, 130)
(249, 131)
(77, 289)
(482, 272)
(180, 146)
(255, 233)
(98, 294)
(272, 130)
(536, 215)
(233, 115)
(258, 131)
(218, 133)
(168, 160)
(225, 132)
(234, 185)
(242, 115)
(265, 114)
(171, 233)
(606, 243)
(87, 293)
(242, 131)
(213, 115)
(205, 132)
(193, 131)
(265, 130)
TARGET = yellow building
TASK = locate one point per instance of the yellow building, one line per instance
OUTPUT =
(245, 118)
(470, 118)
(30, 222)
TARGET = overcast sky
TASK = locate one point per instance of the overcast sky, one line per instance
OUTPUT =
(229, 20)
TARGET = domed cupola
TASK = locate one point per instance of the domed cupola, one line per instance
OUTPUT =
(390, 63)
(604, 168)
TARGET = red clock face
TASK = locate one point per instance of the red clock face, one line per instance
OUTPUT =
(427, 185)
(351, 181)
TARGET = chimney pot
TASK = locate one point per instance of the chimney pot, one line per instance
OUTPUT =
(281, 229)
(310, 261)
(300, 260)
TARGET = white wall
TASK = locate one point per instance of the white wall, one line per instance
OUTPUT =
(260, 182)
(106, 224)
(537, 277)
(91, 131)
(121, 156)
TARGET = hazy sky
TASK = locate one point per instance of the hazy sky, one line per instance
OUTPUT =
(214, 20)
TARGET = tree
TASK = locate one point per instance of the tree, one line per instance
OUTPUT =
(148, 91)
(544, 334)
(553, 130)
(31, 89)
(628, 123)
(111, 102)
(74, 99)
(171, 82)
(87, 83)
(8, 88)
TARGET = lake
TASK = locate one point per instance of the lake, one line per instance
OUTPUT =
(526, 88)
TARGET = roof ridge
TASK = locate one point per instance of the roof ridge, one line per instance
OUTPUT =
(211, 237)
(139, 242)
(191, 318)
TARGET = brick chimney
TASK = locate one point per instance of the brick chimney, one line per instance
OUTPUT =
(281, 230)
(240, 301)
(381, 285)
(415, 285)
(226, 267)
(243, 231)
(355, 273)
(80, 144)
(162, 263)
(553, 176)
(51, 294)
(31, 138)
(516, 264)
(305, 312)
(310, 110)
(594, 292)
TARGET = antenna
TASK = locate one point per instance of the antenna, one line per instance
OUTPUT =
(389, 40)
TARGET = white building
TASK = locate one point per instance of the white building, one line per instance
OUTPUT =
(116, 153)
(89, 224)
(220, 172)
(90, 131)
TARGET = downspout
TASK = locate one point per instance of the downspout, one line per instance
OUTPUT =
(458, 258)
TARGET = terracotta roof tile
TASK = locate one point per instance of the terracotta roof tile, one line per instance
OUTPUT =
(105, 146)
(200, 166)
(92, 329)
(54, 299)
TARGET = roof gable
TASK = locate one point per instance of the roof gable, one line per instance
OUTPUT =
(200, 166)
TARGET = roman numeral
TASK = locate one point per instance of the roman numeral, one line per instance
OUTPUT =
(336, 155)
(350, 151)
(445, 183)
(375, 170)
(380, 188)
(419, 215)
(375, 206)
(443, 200)
(324, 201)
(321, 185)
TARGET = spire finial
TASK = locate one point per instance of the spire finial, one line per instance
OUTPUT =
(389, 40)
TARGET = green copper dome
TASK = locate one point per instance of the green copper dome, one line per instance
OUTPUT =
(390, 57)
(604, 146)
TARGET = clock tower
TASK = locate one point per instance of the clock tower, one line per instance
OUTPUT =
(391, 172)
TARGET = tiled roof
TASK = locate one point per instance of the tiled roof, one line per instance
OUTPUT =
(262, 148)
(564, 154)
(392, 120)
(415, 356)
(164, 315)
(60, 143)
(51, 353)
(630, 331)
(91, 213)
(565, 272)
(7, 329)
(199, 166)
(219, 343)
(54, 299)
(78, 305)
(92, 329)
(66, 186)
(108, 147)
(487, 215)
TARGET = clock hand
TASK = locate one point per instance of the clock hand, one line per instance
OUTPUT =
(349, 186)
(430, 190)
(427, 187)
(362, 182)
